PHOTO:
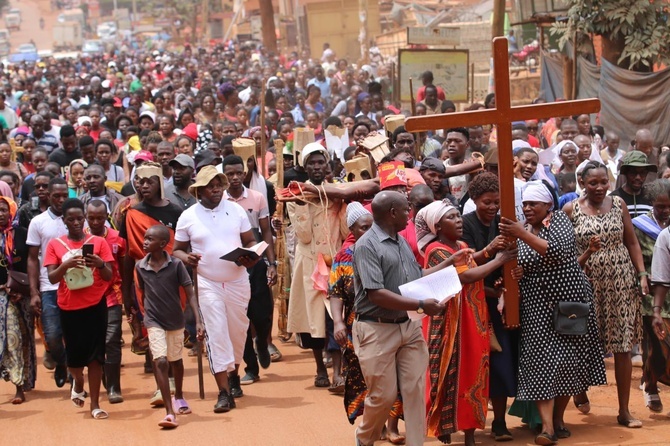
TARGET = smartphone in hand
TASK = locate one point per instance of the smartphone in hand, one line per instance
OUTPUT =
(87, 249)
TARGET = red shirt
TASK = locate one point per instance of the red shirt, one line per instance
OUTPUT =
(421, 94)
(86, 297)
(118, 247)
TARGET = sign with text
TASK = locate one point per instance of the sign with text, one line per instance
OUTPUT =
(434, 36)
(449, 68)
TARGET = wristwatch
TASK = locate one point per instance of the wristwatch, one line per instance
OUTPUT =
(420, 309)
(103, 265)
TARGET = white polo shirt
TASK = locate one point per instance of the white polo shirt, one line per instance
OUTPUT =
(42, 230)
(213, 233)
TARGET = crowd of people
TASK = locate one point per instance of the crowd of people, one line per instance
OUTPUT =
(124, 179)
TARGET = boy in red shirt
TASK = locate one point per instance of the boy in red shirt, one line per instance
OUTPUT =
(96, 215)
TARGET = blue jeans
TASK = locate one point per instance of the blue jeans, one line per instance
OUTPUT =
(51, 326)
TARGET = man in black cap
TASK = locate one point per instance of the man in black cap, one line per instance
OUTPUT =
(432, 171)
(206, 158)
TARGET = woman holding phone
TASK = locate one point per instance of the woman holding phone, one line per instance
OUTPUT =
(80, 264)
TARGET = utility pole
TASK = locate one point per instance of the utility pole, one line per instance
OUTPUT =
(498, 28)
(205, 22)
(363, 34)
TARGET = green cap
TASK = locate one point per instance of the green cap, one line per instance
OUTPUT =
(636, 158)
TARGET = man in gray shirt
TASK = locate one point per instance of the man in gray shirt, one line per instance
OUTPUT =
(182, 174)
(390, 347)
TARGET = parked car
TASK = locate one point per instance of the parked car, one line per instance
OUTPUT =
(27, 48)
(92, 48)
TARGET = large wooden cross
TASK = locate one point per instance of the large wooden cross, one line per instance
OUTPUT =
(503, 116)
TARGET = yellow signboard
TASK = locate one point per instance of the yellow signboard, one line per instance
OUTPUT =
(449, 68)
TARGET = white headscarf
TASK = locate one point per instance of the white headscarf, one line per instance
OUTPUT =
(538, 191)
(426, 220)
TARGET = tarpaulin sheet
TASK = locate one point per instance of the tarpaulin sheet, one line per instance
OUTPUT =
(630, 100)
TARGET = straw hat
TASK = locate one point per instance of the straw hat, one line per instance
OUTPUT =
(392, 122)
(204, 177)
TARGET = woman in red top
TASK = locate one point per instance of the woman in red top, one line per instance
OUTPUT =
(84, 310)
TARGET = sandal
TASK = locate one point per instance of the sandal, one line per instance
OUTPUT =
(321, 381)
(181, 406)
(584, 407)
(78, 399)
(653, 402)
(17, 400)
(157, 399)
(275, 354)
(169, 422)
(562, 432)
(337, 387)
(545, 439)
(99, 414)
(630, 424)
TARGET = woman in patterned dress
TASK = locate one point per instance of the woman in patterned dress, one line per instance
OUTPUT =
(341, 295)
(552, 366)
(17, 343)
(612, 266)
(458, 343)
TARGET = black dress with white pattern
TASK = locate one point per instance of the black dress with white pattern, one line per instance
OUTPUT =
(552, 364)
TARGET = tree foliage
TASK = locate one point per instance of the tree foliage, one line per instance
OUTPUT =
(639, 26)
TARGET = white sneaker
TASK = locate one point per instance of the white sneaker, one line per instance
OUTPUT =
(637, 361)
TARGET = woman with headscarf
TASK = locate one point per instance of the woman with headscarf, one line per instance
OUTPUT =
(341, 297)
(552, 366)
(17, 343)
(75, 178)
(458, 342)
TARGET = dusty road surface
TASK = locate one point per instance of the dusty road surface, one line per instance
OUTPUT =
(283, 408)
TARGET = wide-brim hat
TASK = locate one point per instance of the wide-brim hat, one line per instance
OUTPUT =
(204, 177)
(636, 158)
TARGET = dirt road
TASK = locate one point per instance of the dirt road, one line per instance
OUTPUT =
(283, 408)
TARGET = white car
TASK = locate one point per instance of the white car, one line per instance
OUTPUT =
(26, 48)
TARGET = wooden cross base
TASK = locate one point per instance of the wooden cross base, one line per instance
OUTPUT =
(503, 116)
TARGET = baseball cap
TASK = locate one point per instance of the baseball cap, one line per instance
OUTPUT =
(432, 164)
(144, 155)
(205, 158)
(183, 160)
(636, 158)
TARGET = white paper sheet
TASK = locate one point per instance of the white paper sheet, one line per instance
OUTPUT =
(441, 286)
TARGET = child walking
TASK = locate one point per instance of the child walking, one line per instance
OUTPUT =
(159, 277)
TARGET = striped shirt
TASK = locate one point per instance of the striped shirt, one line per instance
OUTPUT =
(637, 204)
(382, 262)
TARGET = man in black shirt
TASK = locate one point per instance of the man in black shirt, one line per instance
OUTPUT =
(69, 152)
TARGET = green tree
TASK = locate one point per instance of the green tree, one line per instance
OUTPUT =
(635, 33)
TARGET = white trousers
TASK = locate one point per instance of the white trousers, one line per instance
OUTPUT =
(223, 307)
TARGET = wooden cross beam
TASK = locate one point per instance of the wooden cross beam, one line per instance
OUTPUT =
(503, 116)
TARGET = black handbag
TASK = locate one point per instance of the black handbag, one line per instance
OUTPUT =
(17, 282)
(571, 318)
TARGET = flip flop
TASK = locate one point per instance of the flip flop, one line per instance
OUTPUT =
(99, 414)
(169, 422)
(321, 381)
(181, 406)
(630, 424)
(78, 399)
(337, 387)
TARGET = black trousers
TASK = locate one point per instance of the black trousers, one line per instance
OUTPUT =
(113, 337)
(259, 313)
